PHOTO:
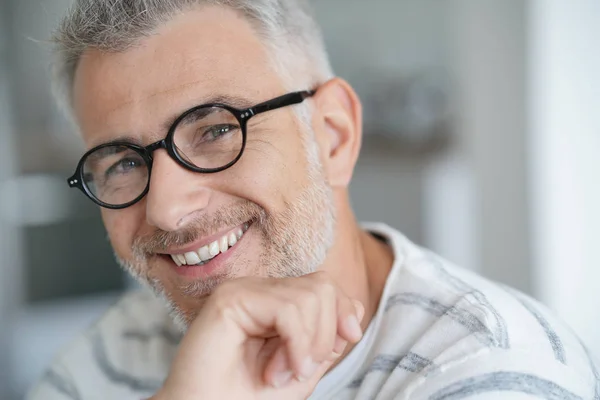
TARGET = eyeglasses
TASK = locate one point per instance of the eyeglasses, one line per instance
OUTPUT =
(208, 138)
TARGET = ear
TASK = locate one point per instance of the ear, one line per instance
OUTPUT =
(338, 126)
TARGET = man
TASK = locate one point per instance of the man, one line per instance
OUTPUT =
(221, 149)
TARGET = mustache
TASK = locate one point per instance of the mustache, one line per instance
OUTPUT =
(202, 225)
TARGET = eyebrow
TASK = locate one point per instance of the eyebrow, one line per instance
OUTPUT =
(229, 100)
(119, 140)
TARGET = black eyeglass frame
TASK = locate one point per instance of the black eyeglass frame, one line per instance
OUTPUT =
(242, 115)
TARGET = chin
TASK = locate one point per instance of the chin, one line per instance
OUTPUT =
(182, 311)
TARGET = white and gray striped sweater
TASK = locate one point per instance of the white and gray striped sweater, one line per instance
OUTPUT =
(440, 333)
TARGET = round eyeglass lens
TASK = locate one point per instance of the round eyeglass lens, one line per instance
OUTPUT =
(115, 175)
(208, 137)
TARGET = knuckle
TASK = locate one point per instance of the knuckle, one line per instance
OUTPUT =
(323, 282)
(289, 319)
(309, 299)
(229, 294)
(225, 290)
(223, 297)
(329, 289)
(232, 287)
(289, 310)
(321, 277)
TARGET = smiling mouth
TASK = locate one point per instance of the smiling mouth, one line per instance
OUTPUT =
(208, 252)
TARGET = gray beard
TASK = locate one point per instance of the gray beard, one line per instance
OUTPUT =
(296, 243)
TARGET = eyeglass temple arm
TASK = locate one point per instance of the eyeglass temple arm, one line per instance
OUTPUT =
(281, 101)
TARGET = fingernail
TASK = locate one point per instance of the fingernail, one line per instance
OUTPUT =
(340, 345)
(354, 328)
(282, 378)
(360, 309)
(309, 367)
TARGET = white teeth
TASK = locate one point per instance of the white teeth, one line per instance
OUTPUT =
(176, 259)
(204, 253)
(192, 258)
(223, 244)
(232, 239)
(214, 249)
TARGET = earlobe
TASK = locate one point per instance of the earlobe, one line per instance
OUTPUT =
(341, 113)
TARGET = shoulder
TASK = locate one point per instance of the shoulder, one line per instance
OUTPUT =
(126, 352)
(442, 324)
(497, 315)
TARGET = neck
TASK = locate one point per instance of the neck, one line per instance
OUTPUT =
(358, 262)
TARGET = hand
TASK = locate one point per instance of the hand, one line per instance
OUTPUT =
(264, 339)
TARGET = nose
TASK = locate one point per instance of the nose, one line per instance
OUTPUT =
(176, 195)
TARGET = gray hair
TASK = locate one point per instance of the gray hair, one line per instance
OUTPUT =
(287, 27)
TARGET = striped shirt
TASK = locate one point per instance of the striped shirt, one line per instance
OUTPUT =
(440, 332)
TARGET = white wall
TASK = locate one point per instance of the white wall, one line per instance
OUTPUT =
(565, 159)
(476, 197)
(370, 41)
(469, 204)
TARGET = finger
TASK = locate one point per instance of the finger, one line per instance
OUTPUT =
(322, 370)
(310, 304)
(297, 340)
(316, 298)
(267, 309)
(278, 372)
(347, 319)
(339, 347)
(340, 343)
(347, 324)
(323, 344)
(360, 309)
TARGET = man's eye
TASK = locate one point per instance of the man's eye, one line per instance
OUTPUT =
(215, 132)
(124, 166)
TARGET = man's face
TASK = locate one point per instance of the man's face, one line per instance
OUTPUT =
(274, 204)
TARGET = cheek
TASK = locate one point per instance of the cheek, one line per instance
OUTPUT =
(273, 170)
(121, 226)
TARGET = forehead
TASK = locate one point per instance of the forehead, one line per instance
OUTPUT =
(205, 53)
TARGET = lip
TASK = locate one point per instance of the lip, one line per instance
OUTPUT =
(204, 241)
(211, 268)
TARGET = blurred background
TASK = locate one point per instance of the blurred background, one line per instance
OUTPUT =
(482, 142)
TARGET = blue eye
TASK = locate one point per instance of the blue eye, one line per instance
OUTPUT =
(124, 166)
